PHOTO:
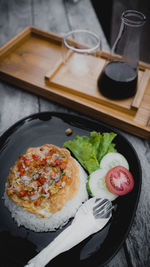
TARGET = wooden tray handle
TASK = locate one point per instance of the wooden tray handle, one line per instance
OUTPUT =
(141, 90)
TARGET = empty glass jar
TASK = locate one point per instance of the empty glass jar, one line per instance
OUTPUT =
(83, 46)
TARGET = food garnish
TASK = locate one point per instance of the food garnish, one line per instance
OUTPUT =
(113, 159)
(96, 185)
(97, 154)
(90, 150)
(119, 180)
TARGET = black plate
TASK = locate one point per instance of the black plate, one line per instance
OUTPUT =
(17, 244)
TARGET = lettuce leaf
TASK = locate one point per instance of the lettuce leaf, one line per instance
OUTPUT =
(106, 145)
(90, 150)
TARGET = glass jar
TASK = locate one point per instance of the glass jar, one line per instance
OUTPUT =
(82, 45)
(118, 79)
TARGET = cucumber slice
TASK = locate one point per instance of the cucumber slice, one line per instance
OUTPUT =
(113, 159)
(96, 185)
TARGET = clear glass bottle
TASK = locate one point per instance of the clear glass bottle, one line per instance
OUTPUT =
(118, 79)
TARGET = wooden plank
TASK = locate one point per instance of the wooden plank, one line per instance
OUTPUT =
(119, 260)
(138, 245)
(14, 103)
(50, 15)
(11, 12)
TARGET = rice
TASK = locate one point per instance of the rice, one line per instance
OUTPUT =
(54, 221)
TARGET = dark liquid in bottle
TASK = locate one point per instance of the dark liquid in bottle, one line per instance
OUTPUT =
(118, 80)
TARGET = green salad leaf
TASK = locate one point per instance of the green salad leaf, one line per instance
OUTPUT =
(106, 145)
(90, 150)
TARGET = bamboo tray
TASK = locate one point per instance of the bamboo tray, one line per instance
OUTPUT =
(33, 61)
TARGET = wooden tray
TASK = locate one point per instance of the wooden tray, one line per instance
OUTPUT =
(33, 60)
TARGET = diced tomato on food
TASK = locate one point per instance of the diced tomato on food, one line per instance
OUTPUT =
(20, 166)
(21, 159)
(42, 179)
(35, 156)
(21, 170)
(63, 166)
(50, 194)
(58, 161)
(22, 193)
(43, 162)
(43, 191)
(38, 202)
(27, 162)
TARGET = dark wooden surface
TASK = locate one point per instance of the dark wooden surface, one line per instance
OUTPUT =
(60, 16)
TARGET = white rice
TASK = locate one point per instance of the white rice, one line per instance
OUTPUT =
(54, 221)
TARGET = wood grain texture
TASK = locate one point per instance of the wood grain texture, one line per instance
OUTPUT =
(119, 260)
(14, 13)
(15, 103)
(50, 15)
(27, 62)
(137, 243)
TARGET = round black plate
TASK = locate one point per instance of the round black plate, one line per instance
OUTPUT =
(17, 244)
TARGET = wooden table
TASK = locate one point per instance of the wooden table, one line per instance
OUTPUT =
(61, 16)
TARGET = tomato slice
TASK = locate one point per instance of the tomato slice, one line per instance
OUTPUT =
(119, 180)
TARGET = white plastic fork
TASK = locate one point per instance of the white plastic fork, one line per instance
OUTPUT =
(90, 218)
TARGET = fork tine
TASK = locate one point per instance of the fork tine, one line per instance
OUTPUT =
(103, 207)
(101, 200)
(104, 213)
(100, 206)
(99, 203)
(107, 214)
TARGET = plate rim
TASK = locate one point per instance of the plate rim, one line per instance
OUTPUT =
(7, 132)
